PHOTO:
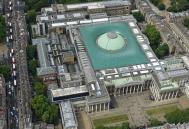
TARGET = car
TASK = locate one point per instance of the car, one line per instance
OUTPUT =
(9, 92)
(14, 73)
(12, 88)
(8, 15)
(13, 108)
(12, 114)
(14, 82)
(14, 66)
(10, 3)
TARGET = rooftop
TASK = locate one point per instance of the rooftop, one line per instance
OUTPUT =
(129, 55)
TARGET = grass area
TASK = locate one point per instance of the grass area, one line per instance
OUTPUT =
(162, 109)
(110, 120)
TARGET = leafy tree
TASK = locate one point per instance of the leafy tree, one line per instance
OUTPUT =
(31, 16)
(138, 16)
(162, 50)
(155, 2)
(6, 71)
(40, 104)
(32, 65)
(36, 4)
(155, 122)
(2, 28)
(161, 6)
(31, 52)
(53, 114)
(186, 22)
(153, 36)
(39, 88)
(178, 5)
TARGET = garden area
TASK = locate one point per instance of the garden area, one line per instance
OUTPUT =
(110, 120)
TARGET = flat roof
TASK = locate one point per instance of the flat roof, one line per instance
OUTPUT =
(129, 55)
(67, 115)
(69, 91)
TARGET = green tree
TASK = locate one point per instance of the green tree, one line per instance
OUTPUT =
(178, 5)
(39, 88)
(186, 22)
(31, 16)
(161, 6)
(53, 114)
(39, 104)
(125, 125)
(162, 50)
(138, 16)
(2, 28)
(31, 52)
(153, 36)
(6, 71)
(32, 65)
(155, 122)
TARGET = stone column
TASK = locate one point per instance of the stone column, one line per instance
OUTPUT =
(168, 95)
(141, 88)
(161, 97)
(96, 108)
(100, 107)
(138, 88)
(92, 108)
(134, 90)
(104, 106)
(130, 89)
(108, 105)
(172, 96)
(176, 93)
(126, 90)
(165, 95)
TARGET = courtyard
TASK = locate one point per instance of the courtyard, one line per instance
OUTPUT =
(138, 108)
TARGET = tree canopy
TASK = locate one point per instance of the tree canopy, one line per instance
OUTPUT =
(39, 88)
(31, 52)
(138, 16)
(162, 50)
(31, 16)
(178, 116)
(36, 4)
(2, 28)
(178, 5)
(159, 4)
(32, 65)
(154, 37)
(154, 122)
(44, 110)
(6, 71)
(186, 22)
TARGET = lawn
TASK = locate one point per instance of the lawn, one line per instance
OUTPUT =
(161, 109)
(110, 120)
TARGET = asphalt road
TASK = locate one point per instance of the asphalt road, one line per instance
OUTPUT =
(18, 90)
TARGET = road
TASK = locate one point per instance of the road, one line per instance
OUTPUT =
(18, 90)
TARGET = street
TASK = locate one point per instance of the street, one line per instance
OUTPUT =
(18, 89)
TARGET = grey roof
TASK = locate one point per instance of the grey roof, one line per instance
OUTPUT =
(42, 71)
(67, 115)
(97, 4)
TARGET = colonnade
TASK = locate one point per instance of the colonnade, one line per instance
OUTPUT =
(164, 95)
(128, 90)
(98, 107)
(168, 95)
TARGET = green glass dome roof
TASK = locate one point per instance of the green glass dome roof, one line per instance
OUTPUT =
(111, 41)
